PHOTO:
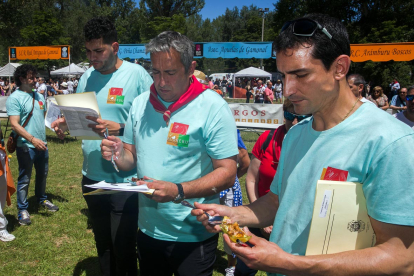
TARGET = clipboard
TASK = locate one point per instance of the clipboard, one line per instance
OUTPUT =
(340, 220)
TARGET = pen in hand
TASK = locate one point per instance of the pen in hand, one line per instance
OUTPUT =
(112, 156)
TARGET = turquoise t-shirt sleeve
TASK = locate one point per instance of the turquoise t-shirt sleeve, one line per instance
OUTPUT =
(128, 137)
(146, 82)
(276, 184)
(388, 193)
(13, 106)
(81, 84)
(221, 134)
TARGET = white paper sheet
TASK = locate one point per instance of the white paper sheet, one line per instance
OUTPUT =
(77, 122)
(52, 114)
(124, 187)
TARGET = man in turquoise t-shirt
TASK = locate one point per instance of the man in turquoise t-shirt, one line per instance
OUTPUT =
(344, 133)
(182, 136)
(116, 83)
(31, 144)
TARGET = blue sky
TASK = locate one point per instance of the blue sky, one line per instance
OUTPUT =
(215, 8)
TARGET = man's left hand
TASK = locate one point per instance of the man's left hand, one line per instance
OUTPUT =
(102, 125)
(164, 191)
(263, 255)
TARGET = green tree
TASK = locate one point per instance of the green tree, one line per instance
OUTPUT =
(367, 21)
(169, 8)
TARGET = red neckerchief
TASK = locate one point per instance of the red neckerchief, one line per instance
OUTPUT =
(195, 89)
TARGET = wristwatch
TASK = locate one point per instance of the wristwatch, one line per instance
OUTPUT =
(121, 130)
(180, 196)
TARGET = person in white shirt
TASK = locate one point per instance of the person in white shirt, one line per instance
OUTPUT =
(395, 87)
(42, 89)
(278, 88)
(70, 86)
(64, 89)
(407, 116)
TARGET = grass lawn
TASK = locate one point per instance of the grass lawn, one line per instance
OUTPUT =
(62, 243)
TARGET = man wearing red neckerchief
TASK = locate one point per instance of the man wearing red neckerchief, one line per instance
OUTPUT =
(181, 137)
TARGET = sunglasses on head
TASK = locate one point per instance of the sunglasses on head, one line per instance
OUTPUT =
(308, 27)
(291, 116)
(409, 98)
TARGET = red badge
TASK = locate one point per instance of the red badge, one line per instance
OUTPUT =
(179, 128)
(335, 174)
(115, 91)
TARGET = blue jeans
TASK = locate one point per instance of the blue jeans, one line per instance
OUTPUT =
(27, 157)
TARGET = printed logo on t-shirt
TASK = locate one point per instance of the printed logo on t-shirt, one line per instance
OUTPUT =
(115, 96)
(41, 105)
(178, 135)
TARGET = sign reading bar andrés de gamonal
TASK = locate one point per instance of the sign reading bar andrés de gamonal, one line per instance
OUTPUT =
(403, 51)
(39, 52)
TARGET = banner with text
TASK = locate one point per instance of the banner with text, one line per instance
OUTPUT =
(233, 49)
(382, 52)
(257, 113)
(39, 52)
(135, 51)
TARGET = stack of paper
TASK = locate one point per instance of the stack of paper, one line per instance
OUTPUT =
(104, 187)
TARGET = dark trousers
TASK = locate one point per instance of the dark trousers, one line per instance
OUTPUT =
(114, 219)
(163, 258)
(241, 268)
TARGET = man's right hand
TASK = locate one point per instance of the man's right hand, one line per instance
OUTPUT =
(60, 127)
(39, 144)
(112, 145)
(213, 210)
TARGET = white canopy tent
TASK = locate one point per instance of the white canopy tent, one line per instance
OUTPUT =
(252, 72)
(72, 69)
(8, 69)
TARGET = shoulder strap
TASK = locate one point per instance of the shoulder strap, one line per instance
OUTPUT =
(31, 112)
(267, 141)
(28, 117)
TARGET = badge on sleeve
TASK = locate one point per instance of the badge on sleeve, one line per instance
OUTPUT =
(115, 96)
(178, 135)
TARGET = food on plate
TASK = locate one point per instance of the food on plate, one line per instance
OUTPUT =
(233, 230)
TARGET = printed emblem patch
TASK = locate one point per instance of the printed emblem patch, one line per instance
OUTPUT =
(41, 105)
(115, 96)
(178, 135)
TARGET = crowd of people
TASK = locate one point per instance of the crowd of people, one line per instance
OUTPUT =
(257, 89)
(48, 88)
(178, 136)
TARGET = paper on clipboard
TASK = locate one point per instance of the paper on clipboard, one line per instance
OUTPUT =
(75, 108)
(85, 100)
(122, 187)
(340, 220)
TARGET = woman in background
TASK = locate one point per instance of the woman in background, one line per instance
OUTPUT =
(379, 98)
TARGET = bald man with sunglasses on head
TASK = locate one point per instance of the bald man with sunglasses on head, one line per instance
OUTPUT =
(313, 55)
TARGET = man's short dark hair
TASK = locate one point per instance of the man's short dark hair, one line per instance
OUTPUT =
(324, 48)
(410, 88)
(359, 79)
(100, 27)
(22, 71)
